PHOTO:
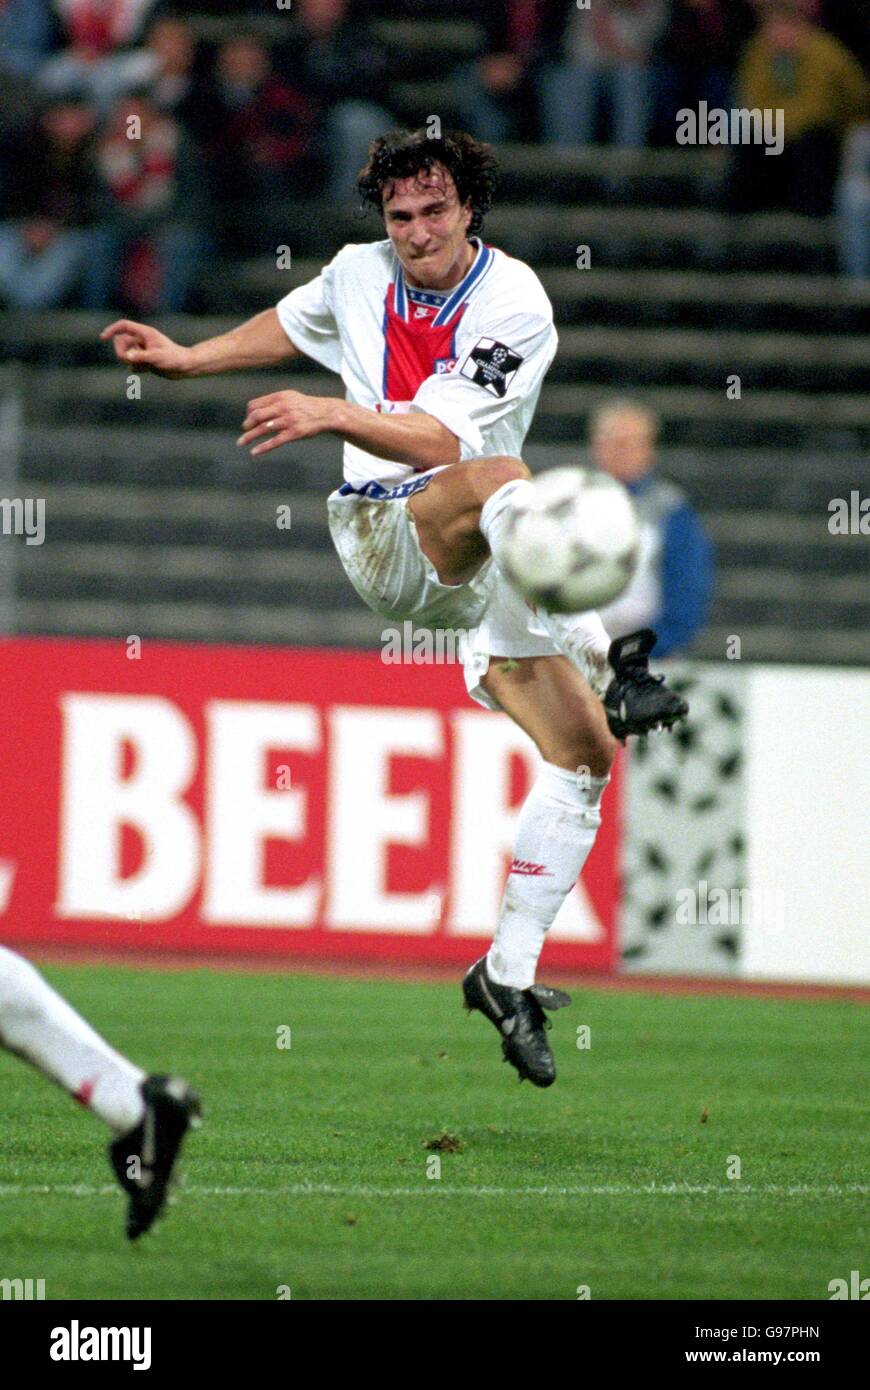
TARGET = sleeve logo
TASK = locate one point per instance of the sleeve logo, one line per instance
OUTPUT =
(492, 366)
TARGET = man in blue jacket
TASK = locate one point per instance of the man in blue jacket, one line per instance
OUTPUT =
(671, 588)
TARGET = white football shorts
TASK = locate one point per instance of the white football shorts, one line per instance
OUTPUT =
(377, 542)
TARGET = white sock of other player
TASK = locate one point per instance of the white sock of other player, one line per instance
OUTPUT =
(40, 1026)
(556, 830)
(580, 636)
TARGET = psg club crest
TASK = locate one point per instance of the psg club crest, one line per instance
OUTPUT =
(492, 366)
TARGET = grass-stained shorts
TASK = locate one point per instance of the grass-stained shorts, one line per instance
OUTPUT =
(374, 532)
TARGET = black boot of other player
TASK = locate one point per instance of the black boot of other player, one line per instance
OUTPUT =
(519, 1016)
(637, 702)
(144, 1159)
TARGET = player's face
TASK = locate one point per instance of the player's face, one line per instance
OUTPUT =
(428, 227)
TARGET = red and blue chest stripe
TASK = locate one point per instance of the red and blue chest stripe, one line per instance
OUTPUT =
(418, 345)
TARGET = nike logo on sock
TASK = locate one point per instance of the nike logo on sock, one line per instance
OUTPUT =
(524, 866)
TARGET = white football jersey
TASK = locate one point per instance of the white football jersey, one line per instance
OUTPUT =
(474, 357)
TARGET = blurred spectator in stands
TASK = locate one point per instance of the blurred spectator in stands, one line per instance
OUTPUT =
(673, 582)
(794, 66)
(20, 104)
(260, 145)
(332, 57)
(101, 48)
(495, 95)
(27, 35)
(152, 201)
(606, 55)
(697, 56)
(853, 203)
(47, 237)
(174, 82)
(848, 21)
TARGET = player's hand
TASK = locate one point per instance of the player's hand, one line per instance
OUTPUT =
(146, 348)
(285, 416)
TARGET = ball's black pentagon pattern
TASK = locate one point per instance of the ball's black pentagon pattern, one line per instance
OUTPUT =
(580, 558)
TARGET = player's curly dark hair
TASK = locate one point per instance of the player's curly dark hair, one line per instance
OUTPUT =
(403, 153)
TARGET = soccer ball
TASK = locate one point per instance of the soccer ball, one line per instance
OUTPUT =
(573, 543)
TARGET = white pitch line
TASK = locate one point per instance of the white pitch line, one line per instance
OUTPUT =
(442, 1189)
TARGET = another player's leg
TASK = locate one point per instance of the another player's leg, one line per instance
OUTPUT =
(149, 1114)
(463, 515)
(41, 1027)
(548, 698)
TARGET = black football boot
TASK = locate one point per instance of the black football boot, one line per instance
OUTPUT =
(519, 1016)
(637, 702)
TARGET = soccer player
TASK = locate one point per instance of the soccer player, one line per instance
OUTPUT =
(442, 343)
(150, 1114)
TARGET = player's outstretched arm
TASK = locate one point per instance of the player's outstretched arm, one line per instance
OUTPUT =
(285, 416)
(260, 342)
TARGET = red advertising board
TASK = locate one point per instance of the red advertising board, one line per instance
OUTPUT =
(266, 800)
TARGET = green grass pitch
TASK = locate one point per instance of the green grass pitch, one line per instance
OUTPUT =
(310, 1171)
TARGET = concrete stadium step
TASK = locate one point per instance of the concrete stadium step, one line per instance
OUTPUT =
(687, 299)
(165, 515)
(429, 43)
(109, 382)
(224, 522)
(216, 570)
(225, 574)
(244, 519)
(71, 337)
(790, 488)
(164, 464)
(434, 38)
(698, 357)
(283, 624)
(185, 574)
(101, 397)
(761, 641)
(813, 362)
(575, 174)
(804, 544)
(706, 419)
(218, 28)
(682, 345)
(792, 615)
(825, 365)
(153, 456)
(693, 413)
(630, 237)
(777, 589)
(765, 641)
(442, 32)
(640, 299)
(206, 563)
(806, 587)
(790, 531)
(595, 173)
(634, 238)
(637, 238)
(698, 299)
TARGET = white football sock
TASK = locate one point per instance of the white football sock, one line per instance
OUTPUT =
(40, 1026)
(555, 832)
(579, 636)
